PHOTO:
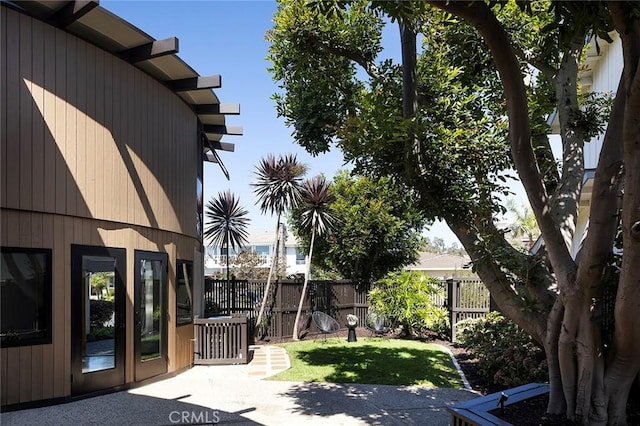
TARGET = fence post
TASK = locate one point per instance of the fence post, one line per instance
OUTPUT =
(234, 288)
(244, 341)
(355, 301)
(452, 303)
(196, 340)
(277, 309)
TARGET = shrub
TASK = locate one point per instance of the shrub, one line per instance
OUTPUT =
(507, 356)
(406, 298)
(211, 308)
(101, 333)
(101, 311)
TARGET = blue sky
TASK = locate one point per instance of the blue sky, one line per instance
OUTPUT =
(228, 38)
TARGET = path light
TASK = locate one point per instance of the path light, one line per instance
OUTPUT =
(352, 323)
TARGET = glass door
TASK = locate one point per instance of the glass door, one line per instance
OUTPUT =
(150, 314)
(98, 325)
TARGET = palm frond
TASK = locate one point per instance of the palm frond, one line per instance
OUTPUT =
(316, 203)
(226, 221)
(278, 182)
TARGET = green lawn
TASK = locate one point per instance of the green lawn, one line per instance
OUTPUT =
(373, 361)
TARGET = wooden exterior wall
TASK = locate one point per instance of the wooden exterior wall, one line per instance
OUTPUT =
(94, 152)
(89, 135)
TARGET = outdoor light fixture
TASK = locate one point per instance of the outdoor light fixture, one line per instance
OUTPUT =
(352, 323)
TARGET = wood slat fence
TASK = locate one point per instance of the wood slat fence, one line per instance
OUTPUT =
(222, 340)
(466, 298)
(240, 297)
(463, 297)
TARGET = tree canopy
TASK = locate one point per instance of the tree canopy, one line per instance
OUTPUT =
(451, 122)
(377, 228)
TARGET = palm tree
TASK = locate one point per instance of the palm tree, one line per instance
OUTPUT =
(227, 225)
(316, 216)
(525, 223)
(278, 189)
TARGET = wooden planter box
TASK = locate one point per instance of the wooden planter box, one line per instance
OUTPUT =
(475, 412)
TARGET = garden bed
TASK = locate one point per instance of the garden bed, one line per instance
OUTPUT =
(482, 411)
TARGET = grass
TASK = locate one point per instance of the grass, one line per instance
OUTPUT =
(376, 361)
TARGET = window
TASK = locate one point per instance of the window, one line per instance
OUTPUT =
(300, 258)
(262, 250)
(25, 295)
(184, 292)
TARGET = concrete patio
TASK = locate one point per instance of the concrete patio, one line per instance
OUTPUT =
(239, 394)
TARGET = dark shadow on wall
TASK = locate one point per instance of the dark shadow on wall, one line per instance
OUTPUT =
(75, 201)
(100, 87)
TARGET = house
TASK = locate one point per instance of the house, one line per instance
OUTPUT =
(104, 134)
(442, 266)
(261, 243)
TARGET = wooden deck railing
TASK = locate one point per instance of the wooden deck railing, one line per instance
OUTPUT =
(222, 340)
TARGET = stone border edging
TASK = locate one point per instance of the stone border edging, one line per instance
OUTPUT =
(465, 382)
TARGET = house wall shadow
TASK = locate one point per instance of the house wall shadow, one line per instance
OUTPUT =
(125, 408)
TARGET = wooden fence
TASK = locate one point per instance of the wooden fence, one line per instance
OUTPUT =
(221, 341)
(240, 297)
(463, 297)
(466, 298)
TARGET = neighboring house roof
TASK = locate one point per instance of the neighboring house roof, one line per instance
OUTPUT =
(440, 262)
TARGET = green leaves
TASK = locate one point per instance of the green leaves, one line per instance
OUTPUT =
(407, 297)
(507, 355)
(314, 58)
(226, 221)
(278, 181)
(316, 205)
(377, 227)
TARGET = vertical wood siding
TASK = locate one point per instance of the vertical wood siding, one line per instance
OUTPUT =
(94, 152)
(89, 135)
(43, 371)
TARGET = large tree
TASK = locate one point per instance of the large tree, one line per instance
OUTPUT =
(377, 228)
(451, 121)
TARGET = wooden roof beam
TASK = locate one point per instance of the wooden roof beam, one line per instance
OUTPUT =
(195, 83)
(217, 129)
(72, 11)
(151, 50)
(222, 146)
(225, 109)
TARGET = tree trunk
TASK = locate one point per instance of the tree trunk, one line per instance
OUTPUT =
(307, 273)
(413, 150)
(576, 349)
(228, 281)
(268, 286)
(623, 360)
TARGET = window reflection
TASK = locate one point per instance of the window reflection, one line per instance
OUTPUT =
(184, 292)
(25, 294)
(98, 346)
(150, 313)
